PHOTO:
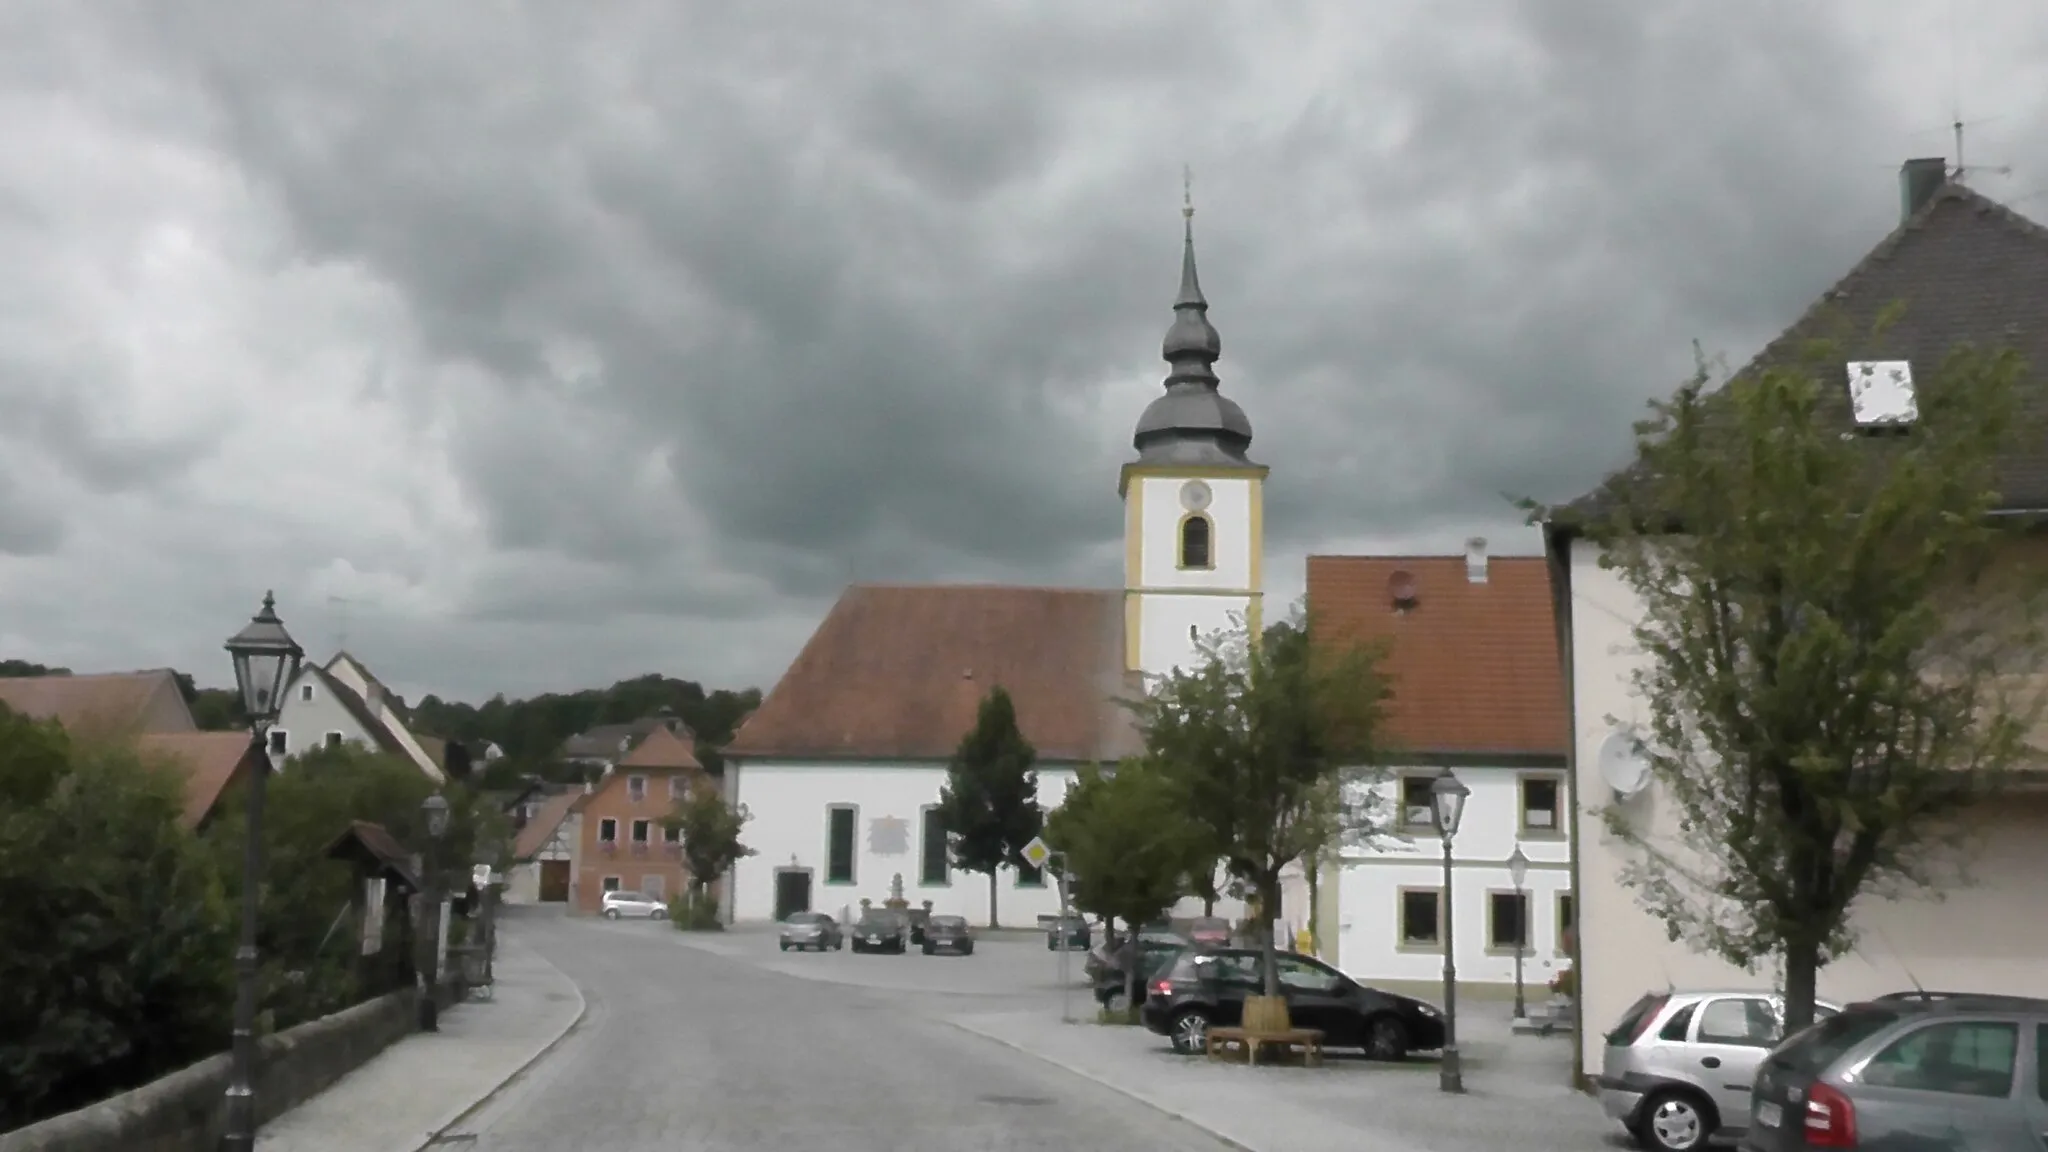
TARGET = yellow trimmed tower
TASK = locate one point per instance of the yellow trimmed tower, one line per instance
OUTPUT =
(1194, 504)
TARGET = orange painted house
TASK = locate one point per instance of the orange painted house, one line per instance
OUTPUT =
(626, 845)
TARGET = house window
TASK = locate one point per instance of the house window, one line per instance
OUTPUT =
(1029, 877)
(333, 739)
(1421, 917)
(935, 865)
(280, 741)
(672, 834)
(677, 788)
(305, 693)
(839, 820)
(608, 831)
(1541, 811)
(1417, 813)
(1507, 920)
(1195, 531)
(1567, 920)
(636, 788)
(611, 883)
(655, 886)
(642, 829)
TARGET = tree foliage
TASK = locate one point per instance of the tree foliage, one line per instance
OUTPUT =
(989, 803)
(1826, 638)
(710, 828)
(1274, 745)
(1128, 838)
(116, 940)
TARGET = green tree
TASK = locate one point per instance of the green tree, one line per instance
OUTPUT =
(1129, 840)
(1275, 746)
(989, 803)
(115, 936)
(710, 829)
(1827, 621)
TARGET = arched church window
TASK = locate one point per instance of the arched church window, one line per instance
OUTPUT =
(1194, 542)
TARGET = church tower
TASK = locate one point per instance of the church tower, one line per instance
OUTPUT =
(1194, 509)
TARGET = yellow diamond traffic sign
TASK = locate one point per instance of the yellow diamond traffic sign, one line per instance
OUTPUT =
(1036, 853)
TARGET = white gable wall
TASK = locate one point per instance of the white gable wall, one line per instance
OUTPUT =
(788, 802)
(1990, 936)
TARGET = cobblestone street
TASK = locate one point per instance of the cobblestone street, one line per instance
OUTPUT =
(683, 1050)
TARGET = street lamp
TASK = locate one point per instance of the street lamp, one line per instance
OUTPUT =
(1518, 870)
(1447, 806)
(435, 811)
(266, 660)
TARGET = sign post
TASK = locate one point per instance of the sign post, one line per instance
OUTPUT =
(1039, 855)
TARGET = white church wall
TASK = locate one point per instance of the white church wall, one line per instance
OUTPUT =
(790, 802)
(1231, 516)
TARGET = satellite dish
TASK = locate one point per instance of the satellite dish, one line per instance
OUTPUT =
(1622, 764)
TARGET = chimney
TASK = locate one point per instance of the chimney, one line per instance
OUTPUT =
(1919, 180)
(1475, 560)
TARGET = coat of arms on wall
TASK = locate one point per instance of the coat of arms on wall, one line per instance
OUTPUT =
(889, 836)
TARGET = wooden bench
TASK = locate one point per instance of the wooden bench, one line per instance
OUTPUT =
(1309, 1040)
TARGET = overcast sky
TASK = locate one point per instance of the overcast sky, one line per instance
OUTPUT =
(535, 345)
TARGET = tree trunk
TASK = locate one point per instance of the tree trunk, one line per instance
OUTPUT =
(992, 899)
(1802, 977)
(1269, 901)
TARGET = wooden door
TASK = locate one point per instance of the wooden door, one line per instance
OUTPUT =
(554, 881)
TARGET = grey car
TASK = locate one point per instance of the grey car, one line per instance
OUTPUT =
(881, 930)
(1957, 1073)
(809, 931)
(1679, 1066)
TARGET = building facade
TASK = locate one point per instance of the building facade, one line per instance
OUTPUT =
(626, 843)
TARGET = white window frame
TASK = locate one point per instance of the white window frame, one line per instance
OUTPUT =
(654, 886)
(334, 738)
(278, 742)
(614, 837)
(636, 788)
(676, 788)
(305, 693)
(611, 884)
(640, 824)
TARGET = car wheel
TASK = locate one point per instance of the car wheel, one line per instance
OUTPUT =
(1190, 1032)
(658, 914)
(782, 944)
(1675, 1120)
(839, 946)
(928, 949)
(967, 949)
(1386, 1039)
(1116, 1002)
(611, 913)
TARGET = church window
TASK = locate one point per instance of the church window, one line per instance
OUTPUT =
(935, 867)
(839, 845)
(1195, 531)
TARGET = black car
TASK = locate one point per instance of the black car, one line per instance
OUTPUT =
(1155, 958)
(1205, 988)
(881, 931)
(1070, 933)
(947, 934)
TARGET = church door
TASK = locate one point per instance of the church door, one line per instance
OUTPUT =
(792, 891)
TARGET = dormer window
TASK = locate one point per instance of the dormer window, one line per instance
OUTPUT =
(1881, 394)
(1195, 552)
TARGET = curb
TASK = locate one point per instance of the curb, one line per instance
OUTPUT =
(457, 1115)
(1127, 1093)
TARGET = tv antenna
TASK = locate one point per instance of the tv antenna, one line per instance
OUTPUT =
(1961, 171)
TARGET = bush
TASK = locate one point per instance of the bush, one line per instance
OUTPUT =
(695, 911)
(1565, 983)
(116, 939)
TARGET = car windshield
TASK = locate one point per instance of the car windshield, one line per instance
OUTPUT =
(1819, 1045)
(807, 918)
(949, 922)
(633, 896)
(1210, 924)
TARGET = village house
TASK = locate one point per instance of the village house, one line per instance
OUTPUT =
(625, 842)
(1470, 654)
(342, 702)
(1966, 270)
(545, 849)
(841, 766)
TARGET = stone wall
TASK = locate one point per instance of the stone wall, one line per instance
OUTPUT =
(184, 1111)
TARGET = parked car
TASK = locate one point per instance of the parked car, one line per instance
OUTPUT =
(1209, 932)
(1112, 986)
(1678, 1066)
(919, 918)
(1937, 1072)
(805, 931)
(618, 904)
(947, 934)
(1205, 988)
(881, 930)
(1070, 933)
(1151, 941)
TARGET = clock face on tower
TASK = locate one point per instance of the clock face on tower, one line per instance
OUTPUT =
(1194, 496)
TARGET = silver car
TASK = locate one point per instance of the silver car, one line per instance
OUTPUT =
(1679, 1066)
(1941, 1073)
(617, 904)
(805, 931)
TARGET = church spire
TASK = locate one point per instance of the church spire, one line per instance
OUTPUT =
(1193, 423)
(1192, 346)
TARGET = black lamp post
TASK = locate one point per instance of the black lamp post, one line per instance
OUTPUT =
(1518, 870)
(266, 660)
(1447, 806)
(435, 811)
